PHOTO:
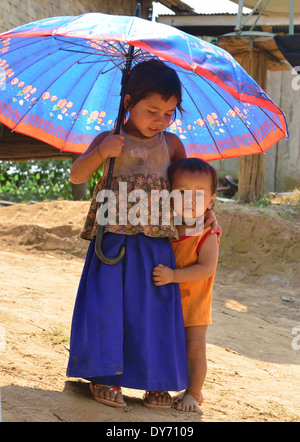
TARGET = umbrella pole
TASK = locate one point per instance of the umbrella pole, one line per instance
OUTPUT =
(100, 232)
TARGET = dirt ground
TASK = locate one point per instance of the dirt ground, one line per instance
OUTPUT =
(253, 344)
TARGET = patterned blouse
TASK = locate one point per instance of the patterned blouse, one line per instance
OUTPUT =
(138, 201)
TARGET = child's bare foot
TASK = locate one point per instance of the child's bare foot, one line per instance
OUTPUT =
(188, 401)
(108, 395)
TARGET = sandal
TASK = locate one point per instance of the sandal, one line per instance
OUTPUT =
(97, 388)
(156, 394)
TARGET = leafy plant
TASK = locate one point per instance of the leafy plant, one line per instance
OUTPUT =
(39, 180)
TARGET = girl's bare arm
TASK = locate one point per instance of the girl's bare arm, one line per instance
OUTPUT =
(176, 148)
(103, 146)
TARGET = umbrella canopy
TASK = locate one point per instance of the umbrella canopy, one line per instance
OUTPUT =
(60, 82)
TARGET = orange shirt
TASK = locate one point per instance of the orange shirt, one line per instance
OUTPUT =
(196, 296)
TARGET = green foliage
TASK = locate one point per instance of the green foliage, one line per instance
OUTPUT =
(39, 180)
(35, 180)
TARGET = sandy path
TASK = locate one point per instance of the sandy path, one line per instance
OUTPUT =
(253, 373)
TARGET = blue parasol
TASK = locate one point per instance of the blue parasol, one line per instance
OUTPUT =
(60, 82)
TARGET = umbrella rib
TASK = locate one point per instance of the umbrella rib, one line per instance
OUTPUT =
(203, 119)
(80, 52)
(37, 52)
(28, 110)
(65, 41)
(272, 120)
(123, 51)
(140, 54)
(24, 46)
(236, 113)
(55, 38)
(95, 53)
(115, 48)
(97, 61)
(78, 113)
(216, 112)
(74, 18)
(71, 43)
(116, 65)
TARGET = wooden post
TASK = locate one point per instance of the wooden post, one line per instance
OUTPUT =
(79, 191)
(252, 167)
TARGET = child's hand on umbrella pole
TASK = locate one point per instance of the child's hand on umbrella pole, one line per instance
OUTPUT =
(111, 146)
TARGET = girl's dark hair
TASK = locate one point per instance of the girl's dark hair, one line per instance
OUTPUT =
(153, 76)
(194, 165)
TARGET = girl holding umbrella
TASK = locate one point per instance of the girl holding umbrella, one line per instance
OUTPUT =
(126, 331)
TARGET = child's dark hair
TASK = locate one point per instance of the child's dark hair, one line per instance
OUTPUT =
(194, 165)
(153, 76)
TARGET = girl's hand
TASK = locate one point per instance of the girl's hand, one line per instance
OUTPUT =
(111, 146)
(211, 220)
(162, 275)
(104, 145)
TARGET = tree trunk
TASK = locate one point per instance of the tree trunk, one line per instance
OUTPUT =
(79, 191)
(252, 167)
(251, 177)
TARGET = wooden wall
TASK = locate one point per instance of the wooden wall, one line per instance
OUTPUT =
(18, 147)
(17, 12)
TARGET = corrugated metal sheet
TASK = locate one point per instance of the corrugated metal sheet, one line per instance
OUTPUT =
(177, 6)
(274, 6)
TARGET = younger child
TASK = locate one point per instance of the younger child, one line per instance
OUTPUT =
(196, 255)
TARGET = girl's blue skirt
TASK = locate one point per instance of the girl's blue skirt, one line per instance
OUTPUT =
(125, 330)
